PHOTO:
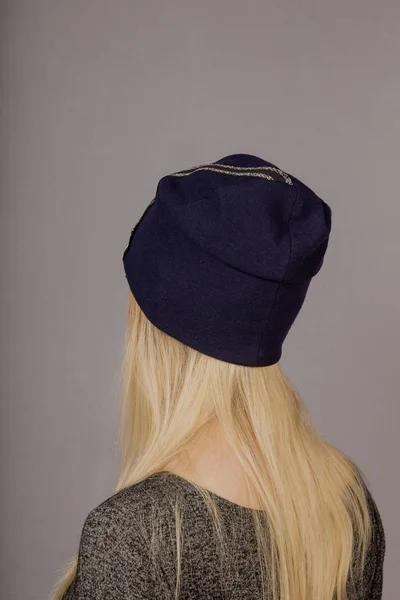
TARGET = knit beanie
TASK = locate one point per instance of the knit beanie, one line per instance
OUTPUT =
(222, 257)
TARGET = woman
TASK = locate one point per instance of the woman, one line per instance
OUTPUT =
(227, 489)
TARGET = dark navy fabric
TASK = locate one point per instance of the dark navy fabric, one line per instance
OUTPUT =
(223, 256)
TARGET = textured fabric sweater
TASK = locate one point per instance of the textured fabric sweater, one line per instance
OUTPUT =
(114, 561)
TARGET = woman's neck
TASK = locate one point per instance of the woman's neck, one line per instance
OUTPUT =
(211, 463)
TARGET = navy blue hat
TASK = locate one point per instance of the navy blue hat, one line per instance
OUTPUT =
(223, 255)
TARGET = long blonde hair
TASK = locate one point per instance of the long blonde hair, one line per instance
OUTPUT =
(315, 500)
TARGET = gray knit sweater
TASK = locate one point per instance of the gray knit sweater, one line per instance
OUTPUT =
(114, 561)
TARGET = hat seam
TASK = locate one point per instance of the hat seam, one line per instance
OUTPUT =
(135, 227)
(283, 278)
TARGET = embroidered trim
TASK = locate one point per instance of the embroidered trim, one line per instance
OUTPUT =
(263, 172)
(270, 173)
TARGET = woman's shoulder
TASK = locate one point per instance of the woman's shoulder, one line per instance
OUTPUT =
(375, 555)
(114, 543)
(133, 506)
(123, 509)
(378, 532)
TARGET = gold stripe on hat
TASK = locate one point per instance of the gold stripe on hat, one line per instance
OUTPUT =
(271, 173)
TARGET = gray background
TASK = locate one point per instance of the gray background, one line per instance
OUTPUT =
(99, 100)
